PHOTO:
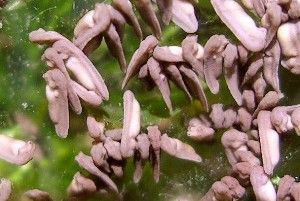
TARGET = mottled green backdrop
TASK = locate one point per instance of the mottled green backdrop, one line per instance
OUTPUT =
(22, 91)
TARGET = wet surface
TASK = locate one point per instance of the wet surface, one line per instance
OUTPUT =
(22, 90)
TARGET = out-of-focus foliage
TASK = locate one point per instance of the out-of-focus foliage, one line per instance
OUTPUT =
(22, 90)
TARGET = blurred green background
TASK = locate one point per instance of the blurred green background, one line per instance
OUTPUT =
(22, 98)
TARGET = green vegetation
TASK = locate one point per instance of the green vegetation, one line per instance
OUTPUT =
(22, 90)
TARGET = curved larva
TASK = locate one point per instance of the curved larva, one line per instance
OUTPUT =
(241, 24)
